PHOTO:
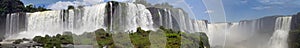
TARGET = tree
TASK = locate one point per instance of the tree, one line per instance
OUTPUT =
(39, 39)
(31, 8)
(18, 41)
(71, 7)
(10, 6)
(140, 30)
(58, 36)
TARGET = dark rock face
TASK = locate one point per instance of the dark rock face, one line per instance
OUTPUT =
(169, 17)
(295, 24)
(294, 34)
(164, 17)
(110, 11)
(205, 40)
(155, 15)
(267, 25)
(2, 26)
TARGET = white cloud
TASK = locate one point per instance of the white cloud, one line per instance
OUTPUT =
(124, 0)
(274, 2)
(92, 1)
(244, 1)
(61, 5)
(208, 11)
(64, 4)
(261, 7)
(264, 1)
(277, 4)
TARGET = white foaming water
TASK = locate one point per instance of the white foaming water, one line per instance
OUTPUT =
(182, 24)
(216, 34)
(39, 23)
(42, 23)
(141, 17)
(144, 18)
(129, 16)
(13, 27)
(88, 19)
(79, 20)
(282, 28)
(202, 26)
(55, 22)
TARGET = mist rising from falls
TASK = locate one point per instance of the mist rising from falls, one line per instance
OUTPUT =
(267, 32)
(216, 33)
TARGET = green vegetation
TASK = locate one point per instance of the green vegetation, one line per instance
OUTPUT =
(294, 38)
(10, 6)
(13, 6)
(31, 8)
(140, 39)
(103, 38)
(294, 34)
(71, 7)
(55, 41)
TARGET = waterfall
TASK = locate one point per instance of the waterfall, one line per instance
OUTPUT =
(127, 17)
(78, 21)
(267, 32)
(202, 26)
(12, 24)
(88, 19)
(280, 35)
(39, 23)
(182, 21)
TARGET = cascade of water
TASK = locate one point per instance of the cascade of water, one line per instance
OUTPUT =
(87, 19)
(170, 19)
(202, 26)
(182, 22)
(160, 18)
(48, 22)
(280, 35)
(12, 24)
(41, 23)
(128, 16)
(91, 20)
(144, 19)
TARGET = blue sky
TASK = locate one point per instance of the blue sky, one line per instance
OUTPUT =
(252, 9)
(235, 10)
